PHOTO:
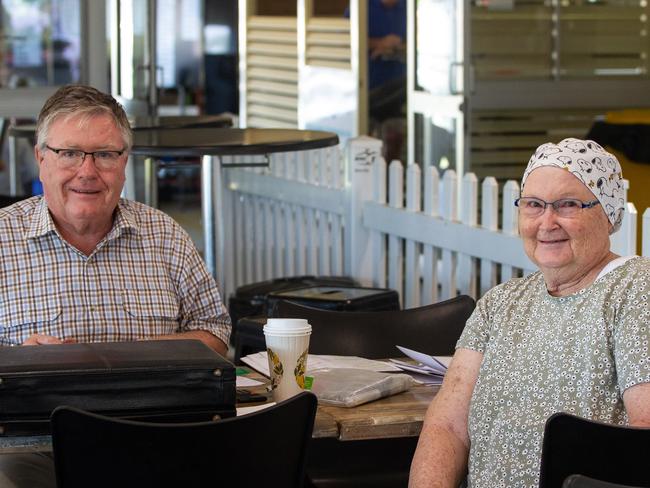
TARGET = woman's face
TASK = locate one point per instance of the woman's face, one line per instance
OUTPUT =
(570, 245)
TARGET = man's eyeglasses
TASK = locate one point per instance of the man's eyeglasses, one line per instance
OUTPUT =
(565, 207)
(74, 158)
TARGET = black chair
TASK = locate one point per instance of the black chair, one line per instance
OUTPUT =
(6, 200)
(432, 329)
(609, 453)
(265, 448)
(580, 481)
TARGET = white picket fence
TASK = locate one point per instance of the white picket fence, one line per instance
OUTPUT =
(334, 212)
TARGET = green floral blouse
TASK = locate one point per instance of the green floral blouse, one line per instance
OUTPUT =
(545, 354)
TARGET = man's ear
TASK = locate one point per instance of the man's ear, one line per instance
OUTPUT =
(38, 155)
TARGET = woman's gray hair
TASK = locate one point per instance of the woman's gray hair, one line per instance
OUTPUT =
(84, 101)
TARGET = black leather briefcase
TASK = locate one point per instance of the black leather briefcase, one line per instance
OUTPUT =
(164, 381)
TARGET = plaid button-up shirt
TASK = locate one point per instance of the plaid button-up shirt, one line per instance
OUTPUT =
(144, 279)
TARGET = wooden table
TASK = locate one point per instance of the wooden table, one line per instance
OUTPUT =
(399, 415)
(370, 445)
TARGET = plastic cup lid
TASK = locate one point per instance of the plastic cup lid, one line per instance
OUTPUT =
(287, 326)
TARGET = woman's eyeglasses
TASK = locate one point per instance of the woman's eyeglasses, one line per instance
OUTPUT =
(564, 207)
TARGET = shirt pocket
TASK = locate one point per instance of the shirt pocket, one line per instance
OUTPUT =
(26, 316)
(151, 304)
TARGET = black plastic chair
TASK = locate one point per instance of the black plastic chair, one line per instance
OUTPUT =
(265, 448)
(6, 200)
(609, 453)
(580, 481)
(432, 329)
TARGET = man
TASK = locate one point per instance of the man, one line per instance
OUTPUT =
(386, 42)
(386, 57)
(80, 264)
(387, 73)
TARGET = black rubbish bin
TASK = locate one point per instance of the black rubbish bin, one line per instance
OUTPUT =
(249, 336)
(250, 300)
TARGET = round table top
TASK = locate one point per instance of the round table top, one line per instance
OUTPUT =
(188, 142)
(144, 122)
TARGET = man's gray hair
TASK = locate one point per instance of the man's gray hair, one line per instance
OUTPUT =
(85, 101)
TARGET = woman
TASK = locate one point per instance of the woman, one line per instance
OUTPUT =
(573, 337)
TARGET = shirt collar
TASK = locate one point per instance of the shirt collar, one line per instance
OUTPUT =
(42, 224)
(124, 220)
(41, 221)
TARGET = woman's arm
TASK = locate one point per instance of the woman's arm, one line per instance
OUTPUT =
(441, 456)
(637, 404)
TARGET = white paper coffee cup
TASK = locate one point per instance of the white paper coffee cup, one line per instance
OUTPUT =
(287, 345)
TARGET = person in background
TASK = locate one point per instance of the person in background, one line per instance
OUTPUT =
(81, 264)
(386, 42)
(387, 74)
(573, 337)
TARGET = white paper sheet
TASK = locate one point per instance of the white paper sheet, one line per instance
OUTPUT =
(425, 379)
(416, 368)
(259, 361)
(253, 408)
(437, 364)
(244, 382)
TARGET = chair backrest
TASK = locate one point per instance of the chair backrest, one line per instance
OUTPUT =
(265, 448)
(580, 481)
(6, 200)
(433, 329)
(611, 453)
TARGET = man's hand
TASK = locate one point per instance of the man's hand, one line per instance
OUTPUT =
(203, 335)
(44, 339)
(41, 339)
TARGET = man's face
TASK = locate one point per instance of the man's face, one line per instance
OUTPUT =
(553, 242)
(390, 3)
(83, 195)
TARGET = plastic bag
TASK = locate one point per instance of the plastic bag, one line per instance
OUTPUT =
(346, 387)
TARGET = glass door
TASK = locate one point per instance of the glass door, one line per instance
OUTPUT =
(40, 42)
(133, 69)
(437, 82)
(42, 45)
(156, 55)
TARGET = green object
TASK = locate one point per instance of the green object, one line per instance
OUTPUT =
(241, 371)
(309, 381)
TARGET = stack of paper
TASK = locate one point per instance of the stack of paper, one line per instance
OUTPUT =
(428, 369)
(260, 362)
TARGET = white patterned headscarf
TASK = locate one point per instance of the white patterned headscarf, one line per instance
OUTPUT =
(597, 169)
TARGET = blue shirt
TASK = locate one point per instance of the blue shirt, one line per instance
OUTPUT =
(383, 21)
